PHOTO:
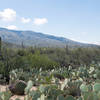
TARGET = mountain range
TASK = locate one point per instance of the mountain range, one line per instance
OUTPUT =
(31, 38)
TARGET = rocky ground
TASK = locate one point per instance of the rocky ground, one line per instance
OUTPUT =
(3, 88)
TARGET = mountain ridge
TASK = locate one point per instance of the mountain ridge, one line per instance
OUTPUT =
(31, 38)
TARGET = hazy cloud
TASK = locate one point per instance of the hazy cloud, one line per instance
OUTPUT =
(25, 20)
(40, 21)
(8, 14)
(96, 42)
(12, 27)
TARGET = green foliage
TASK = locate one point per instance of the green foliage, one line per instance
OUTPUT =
(47, 58)
(57, 73)
(41, 61)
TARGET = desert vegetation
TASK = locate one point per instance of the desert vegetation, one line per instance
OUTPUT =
(50, 73)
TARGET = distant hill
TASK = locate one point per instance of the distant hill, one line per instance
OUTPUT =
(31, 38)
(10, 45)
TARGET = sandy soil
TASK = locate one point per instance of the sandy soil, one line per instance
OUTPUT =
(3, 88)
(15, 97)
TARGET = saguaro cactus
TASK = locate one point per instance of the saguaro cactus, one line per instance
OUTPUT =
(0, 45)
(22, 45)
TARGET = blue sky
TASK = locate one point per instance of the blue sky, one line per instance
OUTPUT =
(74, 19)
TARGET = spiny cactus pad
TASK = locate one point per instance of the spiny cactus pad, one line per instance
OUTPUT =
(84, 88)
(96, 87)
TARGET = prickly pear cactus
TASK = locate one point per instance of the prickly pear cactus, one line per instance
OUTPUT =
(35, 95)
(96, 87)
(69, 97)
(93, 96)
(29, 86)
(60, 97)
(84, 88)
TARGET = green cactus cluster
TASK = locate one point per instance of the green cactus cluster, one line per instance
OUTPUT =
(57, 84)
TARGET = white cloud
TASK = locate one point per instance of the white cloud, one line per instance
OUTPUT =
(12, 27)
(25, 20)
(96, 42)
(8, 14)
(40, 21)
